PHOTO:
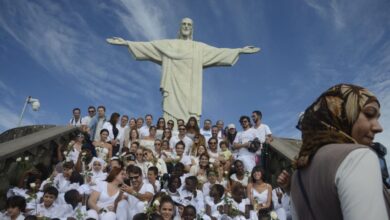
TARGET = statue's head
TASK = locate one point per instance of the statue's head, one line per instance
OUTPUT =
(186, 29)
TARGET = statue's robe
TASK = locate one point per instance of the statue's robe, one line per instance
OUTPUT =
(182, 65)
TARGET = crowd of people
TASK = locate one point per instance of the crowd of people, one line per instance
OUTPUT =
(129, 168)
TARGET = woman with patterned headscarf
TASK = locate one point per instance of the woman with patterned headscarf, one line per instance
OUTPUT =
(338, 175)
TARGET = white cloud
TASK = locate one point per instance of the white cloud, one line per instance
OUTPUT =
(10, 119)
(75, 55)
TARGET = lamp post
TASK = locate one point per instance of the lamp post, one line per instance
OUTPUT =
(34, 104)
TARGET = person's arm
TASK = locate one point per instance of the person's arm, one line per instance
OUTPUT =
(359, 186)
(269, 198)
(92, 201)
(249, 193)
(208, 210)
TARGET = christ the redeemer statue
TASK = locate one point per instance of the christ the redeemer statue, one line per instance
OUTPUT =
(182, 62)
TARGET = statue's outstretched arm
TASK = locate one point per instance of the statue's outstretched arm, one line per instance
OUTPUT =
(249, 49)
(117, 41)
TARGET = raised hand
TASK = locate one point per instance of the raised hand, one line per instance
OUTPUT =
(116, 41)
(249, 49)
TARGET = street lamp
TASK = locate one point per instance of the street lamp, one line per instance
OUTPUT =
(34, 104)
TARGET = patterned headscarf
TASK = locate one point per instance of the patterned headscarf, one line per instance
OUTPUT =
(330, 119)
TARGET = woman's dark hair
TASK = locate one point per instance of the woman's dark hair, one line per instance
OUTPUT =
(17, 201)
(113, 173)
(104, 130)
(114, 116)
(257, 169)
(158, 123)
(194, 127)
(31, 217)
(152, 127)
(134, 169)
(131, 130)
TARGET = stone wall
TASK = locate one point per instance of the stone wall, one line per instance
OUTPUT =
(39, 147)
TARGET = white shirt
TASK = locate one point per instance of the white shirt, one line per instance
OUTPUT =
(243, 137)
(197, 202)
(54, 211)
(121, 134)
(187, 141)
(262, 131)
(206, 134)
(86, 120)
(75, 123)
(144, 131)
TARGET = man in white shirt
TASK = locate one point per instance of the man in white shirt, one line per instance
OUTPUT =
(242, 142)
(144, 130)
(181, 137)
(206, 130)
(76, 120)
(216, 134)
(87, 119)
(122, 127)
(263, 133)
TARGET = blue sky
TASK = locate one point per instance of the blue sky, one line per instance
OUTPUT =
(56, 51)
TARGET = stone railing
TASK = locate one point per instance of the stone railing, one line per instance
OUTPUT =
(21, 131)
(38, 147)
(278, 156)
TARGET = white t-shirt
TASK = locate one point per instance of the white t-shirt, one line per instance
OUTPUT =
(243, 137)
(187, 141)
(134, 202)
(206, 134)
(144, 131)
(86, 120)
(262, 131)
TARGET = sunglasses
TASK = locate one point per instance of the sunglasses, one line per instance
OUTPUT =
(133, 177)
(139, 154)
(91, 111)
(213, 143)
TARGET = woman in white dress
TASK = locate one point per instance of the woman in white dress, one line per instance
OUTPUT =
(104, 197)
(133, 137)
(160, 128)
(260, 193)
(102, 147)
(200, 170)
